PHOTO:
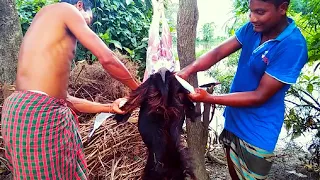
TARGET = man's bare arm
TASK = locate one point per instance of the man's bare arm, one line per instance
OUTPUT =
(210, 58)
(85, 106)
(79, 28)
(267, 88)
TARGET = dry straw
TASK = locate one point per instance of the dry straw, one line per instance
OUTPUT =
(115, 151)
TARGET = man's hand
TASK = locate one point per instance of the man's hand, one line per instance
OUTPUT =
(184, 73)
(116, 105)
(200, 95)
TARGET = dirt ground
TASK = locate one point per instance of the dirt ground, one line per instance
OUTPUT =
(287, 166)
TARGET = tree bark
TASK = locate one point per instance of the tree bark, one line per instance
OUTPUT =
(10, 41)
(186, 34)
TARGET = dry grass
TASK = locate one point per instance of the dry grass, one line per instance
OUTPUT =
(91, 82)
(115, 151)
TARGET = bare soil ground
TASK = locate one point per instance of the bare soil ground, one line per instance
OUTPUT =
(288, 165)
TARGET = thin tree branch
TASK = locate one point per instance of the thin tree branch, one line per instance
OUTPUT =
(316, 68)
(292, 102)
(309, 95)
(299, 105)
(305, 100)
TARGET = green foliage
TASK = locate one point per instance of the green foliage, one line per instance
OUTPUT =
(27, 10)
(298, 6)
(122, 25)
(310, 24)
(207, 32)
(304, 112)
(224, 77)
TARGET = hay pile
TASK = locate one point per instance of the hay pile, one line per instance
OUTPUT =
(115, 151)
(91, 82)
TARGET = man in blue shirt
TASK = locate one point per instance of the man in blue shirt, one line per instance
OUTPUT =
(273, 54)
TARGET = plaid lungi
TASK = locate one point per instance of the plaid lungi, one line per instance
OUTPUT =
(249, 162)
(41, 138)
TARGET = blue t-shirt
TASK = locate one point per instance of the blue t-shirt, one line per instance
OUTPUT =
(281, 58)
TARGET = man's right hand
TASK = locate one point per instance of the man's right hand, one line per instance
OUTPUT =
(184, 73)
(200, 95)
(116, 105)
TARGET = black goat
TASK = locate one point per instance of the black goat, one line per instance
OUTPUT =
(164, 105)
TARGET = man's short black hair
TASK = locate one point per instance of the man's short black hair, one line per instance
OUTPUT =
(87, 5)
(277, 3)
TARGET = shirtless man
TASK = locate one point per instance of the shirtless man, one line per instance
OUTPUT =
(38, 125)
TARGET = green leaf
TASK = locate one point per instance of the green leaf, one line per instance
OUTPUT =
(314, 78)
(128, 50)
(145, 39)
(310, 88)
(97, 23)
(105, 37)
(129, 2)
(99, 9)
(117, 44)
(306, 77)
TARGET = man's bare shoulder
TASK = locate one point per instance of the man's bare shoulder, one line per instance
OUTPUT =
(66, 7)
(58, 11)
(63, 10)
(69, 13)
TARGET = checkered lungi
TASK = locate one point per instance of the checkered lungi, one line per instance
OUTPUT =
(41, 138)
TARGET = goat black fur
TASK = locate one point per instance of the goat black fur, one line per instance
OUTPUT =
(164, 105)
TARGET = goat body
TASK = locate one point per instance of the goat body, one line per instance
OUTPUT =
(164, 105)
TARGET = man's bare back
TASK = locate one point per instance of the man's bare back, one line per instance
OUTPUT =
(46, 53)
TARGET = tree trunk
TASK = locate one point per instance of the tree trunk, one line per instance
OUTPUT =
(10, 40)
(186, 34)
